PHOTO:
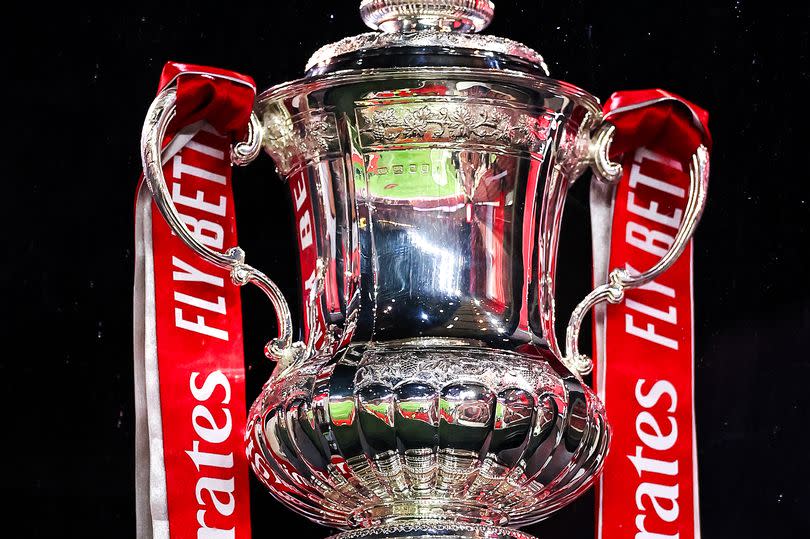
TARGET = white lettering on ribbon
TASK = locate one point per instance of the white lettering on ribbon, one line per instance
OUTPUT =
(219, 491)
(209, 233)
(211, 417)
(662, 498)
(655, 425)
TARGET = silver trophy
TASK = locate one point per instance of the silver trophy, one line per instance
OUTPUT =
(430, 396)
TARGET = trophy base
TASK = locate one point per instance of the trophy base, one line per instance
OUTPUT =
(438, 529)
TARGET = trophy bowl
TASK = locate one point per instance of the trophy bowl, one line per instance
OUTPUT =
(417, 432)
(435, 198)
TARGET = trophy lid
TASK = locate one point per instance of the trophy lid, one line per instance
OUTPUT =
(426, 33)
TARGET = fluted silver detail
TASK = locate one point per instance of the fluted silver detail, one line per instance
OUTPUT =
(404, 431)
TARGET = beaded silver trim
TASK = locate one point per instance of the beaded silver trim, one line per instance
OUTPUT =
(469, 530)
(428, 38)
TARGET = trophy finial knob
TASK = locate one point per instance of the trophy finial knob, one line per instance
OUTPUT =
(392, 16)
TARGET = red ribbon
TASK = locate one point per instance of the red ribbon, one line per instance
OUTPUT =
(190, 379)
(222, 98)
(649, 487)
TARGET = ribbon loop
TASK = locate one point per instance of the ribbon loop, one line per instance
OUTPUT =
(191, 468)
(224, 99)
(644, 345)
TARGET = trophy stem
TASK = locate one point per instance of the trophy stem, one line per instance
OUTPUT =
(438, 529)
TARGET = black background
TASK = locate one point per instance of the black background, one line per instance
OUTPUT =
(80, 84)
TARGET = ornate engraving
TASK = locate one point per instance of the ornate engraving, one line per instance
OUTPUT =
(295, 139)
(476, 123)
(495, 370)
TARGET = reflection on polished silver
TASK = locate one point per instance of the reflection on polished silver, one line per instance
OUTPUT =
(605, 169)
(436, 210)
(413, 15)
(461, 121)
(390, 435)
(621, 280)
(476, 43)
(447, 24)
(244, 152)
(296, 139)
(441, 24)
(160, 113)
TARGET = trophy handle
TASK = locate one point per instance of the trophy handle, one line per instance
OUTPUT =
(162, 110)
(620, 280)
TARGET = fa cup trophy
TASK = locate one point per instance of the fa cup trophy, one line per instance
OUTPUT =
(429, 166)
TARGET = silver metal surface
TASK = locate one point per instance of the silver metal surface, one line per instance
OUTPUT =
(427, 38)
(437, 199)
(415, 15)
(446, 530)
(160, 113)
(604, 169)
(383, 434)
(438, 24)
(242, 153)
(453, 121)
